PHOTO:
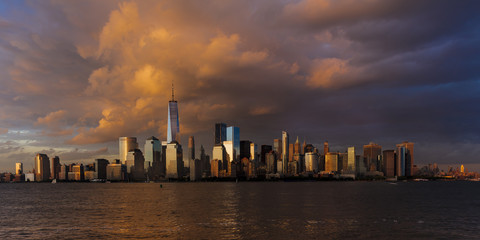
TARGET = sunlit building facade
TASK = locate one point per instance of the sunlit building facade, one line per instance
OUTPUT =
(18, 168)
(233, 135)
(174, 159)
(42, 167)
(126, 144)
(351, 166)
(331, 162)
(311, 162)
(285, 153)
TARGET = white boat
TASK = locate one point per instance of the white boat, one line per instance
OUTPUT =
(54, 180)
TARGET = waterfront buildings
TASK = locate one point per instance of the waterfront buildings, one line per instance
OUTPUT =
(389, 163)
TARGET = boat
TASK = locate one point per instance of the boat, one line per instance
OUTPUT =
(54, 181)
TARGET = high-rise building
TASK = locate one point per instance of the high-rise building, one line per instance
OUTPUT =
(101, 168)
(42, 167)
(126, 144)
(136, 165)
(233, 135)
(277, 148)
(271, 163)
(331, 162)
(245, 149)
(264, 149)
(18, 168)
(351, 159)
(408, 157)
(254, 152)
(400, 154)
(325, 148)
(191, 148)
(220, 133)
(204, 162)
(173, 128)
(311, 162)
(296, 147)
(285, 146)
(55, 167)
(174, 159)
(372, 153)
(153, 157)
(389, 163)
(291, 152)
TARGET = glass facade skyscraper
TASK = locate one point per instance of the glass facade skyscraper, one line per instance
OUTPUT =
(233, 135)
(220, 133)
(173, 124)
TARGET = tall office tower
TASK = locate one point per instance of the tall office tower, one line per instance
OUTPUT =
(139, 166)
(219, 153)
(351, 159)
(42, 167)
(205, 162)
(135, 164)
(229, 150)
(174, 159)
(18, 168)
(254, 152)
(311, 162)
(304, 146)
(233, 135)
(271, 163)
(191, 148)
(408, 158)
(291, 152)
(297, 147)
(245, 149)
(264, 149)
(371, 153)
(220, 133)
(55, 167)
(325, 148)
(101, 168)
(277, 147)
(285, 146)
(173, 128)
(400, 153)
(331, 161)
(153, 156)
(126, 144)
(389, 163)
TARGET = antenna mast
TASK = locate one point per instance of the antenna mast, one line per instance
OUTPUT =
(173, 95)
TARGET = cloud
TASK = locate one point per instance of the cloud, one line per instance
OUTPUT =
(343, 71)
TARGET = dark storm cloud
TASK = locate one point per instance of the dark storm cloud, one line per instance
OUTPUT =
(345, 71)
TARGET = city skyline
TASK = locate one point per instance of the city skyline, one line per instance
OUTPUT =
(386, 73)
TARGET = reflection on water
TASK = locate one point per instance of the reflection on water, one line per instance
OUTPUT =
(299, 210)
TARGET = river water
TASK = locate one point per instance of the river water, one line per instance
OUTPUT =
(244, 210)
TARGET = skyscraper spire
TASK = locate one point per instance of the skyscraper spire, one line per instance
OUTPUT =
(173, 95)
